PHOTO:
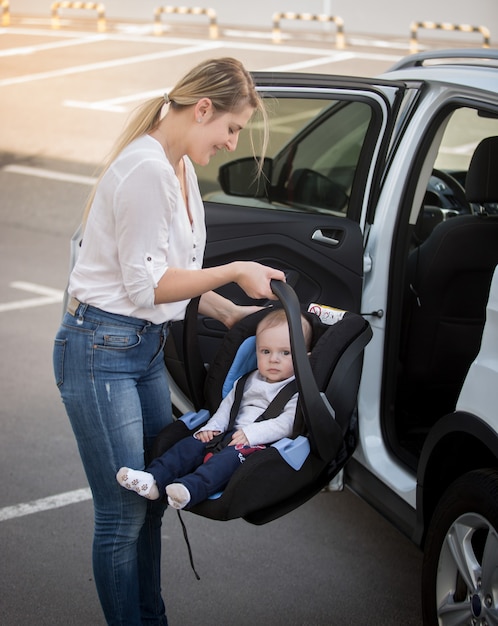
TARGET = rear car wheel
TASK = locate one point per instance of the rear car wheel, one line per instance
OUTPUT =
(460, 567)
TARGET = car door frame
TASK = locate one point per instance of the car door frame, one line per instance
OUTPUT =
(262, 225)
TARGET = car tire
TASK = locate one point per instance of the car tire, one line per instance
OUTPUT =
(460, 565)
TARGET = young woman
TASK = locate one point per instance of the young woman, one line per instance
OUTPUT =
(140, 263)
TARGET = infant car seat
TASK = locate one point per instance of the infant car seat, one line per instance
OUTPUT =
(276, 480)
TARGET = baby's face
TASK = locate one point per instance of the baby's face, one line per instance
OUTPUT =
(274, 353)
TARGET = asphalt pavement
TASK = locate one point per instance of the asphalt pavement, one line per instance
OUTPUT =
(64, 96)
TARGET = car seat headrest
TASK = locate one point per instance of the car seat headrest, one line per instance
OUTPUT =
(481, 184)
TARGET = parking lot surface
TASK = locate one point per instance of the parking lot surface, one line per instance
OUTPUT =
(64, 97)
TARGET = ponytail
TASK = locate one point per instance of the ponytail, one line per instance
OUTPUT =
(224, 81)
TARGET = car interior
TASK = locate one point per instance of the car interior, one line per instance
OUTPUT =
(316, 166)
(451, 259)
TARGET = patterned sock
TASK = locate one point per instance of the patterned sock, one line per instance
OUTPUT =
(178, 495)
(141, 482)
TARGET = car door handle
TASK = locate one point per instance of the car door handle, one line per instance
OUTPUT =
(329, 237)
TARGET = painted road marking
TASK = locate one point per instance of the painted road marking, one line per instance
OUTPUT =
(188, 46)
(24, 50)
(47, 295)
(40, 172)
(301, 65)
(103, 65)
(45, 504)
(114, 105)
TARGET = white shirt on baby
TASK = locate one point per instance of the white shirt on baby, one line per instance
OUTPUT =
(258, 393)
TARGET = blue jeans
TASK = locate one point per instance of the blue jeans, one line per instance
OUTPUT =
(112, 378)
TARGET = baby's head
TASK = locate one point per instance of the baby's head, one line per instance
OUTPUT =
(273, 345)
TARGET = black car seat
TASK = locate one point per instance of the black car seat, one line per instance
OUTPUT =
(273, 481)
(449, 276)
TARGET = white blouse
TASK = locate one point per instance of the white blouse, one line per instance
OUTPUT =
(138, 227)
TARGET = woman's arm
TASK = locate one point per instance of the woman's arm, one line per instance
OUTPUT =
(179, 284)
(223, 309)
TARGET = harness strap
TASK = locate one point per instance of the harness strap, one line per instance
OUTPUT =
(239, 391)
(273, 410)
(185, 536)
(278, 403)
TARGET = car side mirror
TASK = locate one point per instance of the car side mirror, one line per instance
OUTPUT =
(240, 178)
(311, 189)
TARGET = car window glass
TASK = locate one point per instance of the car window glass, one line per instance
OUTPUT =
(311, 162)
(466, 128)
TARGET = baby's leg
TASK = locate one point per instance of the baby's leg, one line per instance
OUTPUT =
(208, 479)
(141, 482)
(182, 458)
(178, 495)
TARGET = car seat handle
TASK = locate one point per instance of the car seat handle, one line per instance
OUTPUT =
(324, 432)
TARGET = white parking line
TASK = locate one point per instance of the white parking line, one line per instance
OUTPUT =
(45, 504)
(336, 57)
(24, 50)
(184, 47)
(40, 172)
(48, 295)
(114, 105)
(102, 65)
(301, 65)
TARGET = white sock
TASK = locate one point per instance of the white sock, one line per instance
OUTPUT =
(178, 495)
(141, 482)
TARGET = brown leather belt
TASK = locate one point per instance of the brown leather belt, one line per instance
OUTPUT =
(72, 306)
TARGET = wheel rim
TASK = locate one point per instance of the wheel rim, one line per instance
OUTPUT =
(467, 577)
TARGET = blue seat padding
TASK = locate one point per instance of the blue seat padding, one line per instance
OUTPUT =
(195, 420)
(244, 361)
(293, 451)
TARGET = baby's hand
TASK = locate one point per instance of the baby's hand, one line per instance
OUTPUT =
(239, 438)
(206, 435)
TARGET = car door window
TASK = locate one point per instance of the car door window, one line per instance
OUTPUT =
(328, 148)
(312, 163)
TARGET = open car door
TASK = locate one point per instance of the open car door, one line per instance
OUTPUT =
(307, 216)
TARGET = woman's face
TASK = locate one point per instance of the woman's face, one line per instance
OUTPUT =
(217, 131)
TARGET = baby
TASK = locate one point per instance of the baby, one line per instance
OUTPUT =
(188, 472)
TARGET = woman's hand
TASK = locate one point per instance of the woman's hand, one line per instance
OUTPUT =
(255, 278)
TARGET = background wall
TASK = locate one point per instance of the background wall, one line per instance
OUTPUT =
(377, 17)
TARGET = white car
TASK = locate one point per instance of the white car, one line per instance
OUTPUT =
(381, 197)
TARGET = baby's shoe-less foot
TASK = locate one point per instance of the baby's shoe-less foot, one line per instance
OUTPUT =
(141, 482)
(178, 495)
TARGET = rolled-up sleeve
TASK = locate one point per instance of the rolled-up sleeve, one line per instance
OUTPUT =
(144, 204)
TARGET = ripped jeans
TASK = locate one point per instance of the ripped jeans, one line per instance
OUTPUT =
(112, 378)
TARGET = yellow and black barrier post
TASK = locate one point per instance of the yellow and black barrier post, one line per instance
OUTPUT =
(338, 21)
(211, 13)
(464, 28)
(89, 6)
(5, 12)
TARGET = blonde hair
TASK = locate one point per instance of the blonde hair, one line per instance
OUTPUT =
(278, 317)
(224, 81)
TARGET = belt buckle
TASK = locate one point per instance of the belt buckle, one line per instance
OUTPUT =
(73, 306)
